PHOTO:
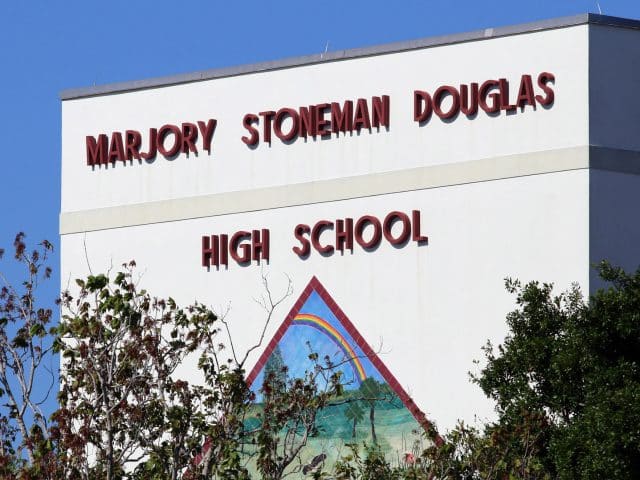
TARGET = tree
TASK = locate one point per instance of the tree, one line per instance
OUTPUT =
(373, 391)
(355, 414)
(372, 466)
(566, 381)
(124, 412)
(275, 366)
(26, 344)
(120, 405)
(288, 418)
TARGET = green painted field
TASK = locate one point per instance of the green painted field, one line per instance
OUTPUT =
(396, 431)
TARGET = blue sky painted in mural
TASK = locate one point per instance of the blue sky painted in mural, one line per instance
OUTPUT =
(300, 340)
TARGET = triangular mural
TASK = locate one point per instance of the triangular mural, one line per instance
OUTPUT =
(375, 408)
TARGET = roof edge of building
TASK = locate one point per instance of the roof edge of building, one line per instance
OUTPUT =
(427, 42)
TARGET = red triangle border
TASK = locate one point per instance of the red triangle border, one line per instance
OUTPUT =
(315, 284)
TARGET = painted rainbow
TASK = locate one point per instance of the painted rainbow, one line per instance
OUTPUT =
(338, 339)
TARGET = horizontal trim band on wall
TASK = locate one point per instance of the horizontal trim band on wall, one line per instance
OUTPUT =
(331, 190)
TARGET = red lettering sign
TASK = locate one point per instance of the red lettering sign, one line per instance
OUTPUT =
(368, 231)
(169, 141)
(243, 247)
(320, 120)
(492, 97)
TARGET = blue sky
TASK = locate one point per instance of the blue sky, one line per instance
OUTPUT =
(47, 46)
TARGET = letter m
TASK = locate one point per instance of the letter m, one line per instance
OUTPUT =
(97, 150)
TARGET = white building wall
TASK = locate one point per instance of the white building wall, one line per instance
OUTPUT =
(510, 195)
(233, 166)
(427, 308)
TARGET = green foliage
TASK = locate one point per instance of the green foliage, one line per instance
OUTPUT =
(276, 367)
(25, 346)
(568, 378)
(121, 398)
(290, 410)
(355, 414)
(372, 466)
(566, 382)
